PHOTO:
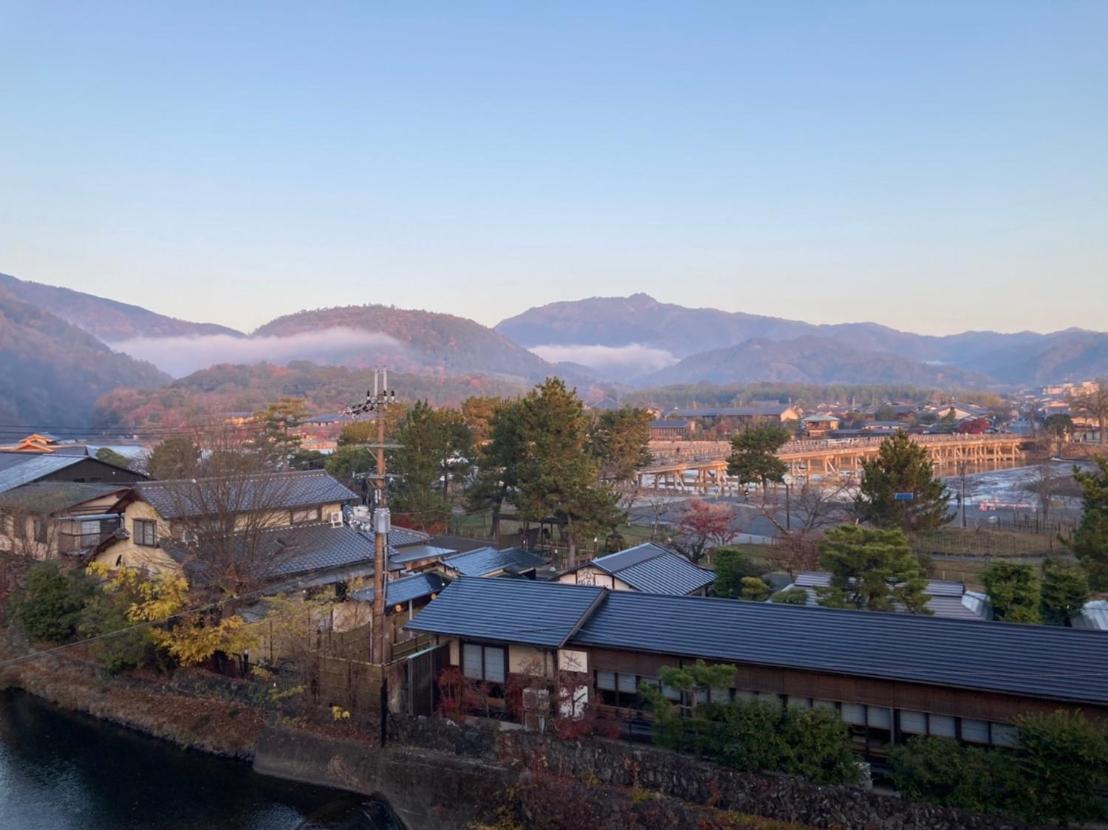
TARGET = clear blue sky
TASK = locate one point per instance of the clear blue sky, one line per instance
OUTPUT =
(935, 166)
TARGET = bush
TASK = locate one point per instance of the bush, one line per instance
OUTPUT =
(48, 604)
(791, 596)
(731, 565)
(106, 613)
(1056, 772)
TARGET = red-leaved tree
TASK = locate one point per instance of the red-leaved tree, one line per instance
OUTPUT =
(705, 525)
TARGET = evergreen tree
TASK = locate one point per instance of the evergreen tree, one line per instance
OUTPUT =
(901, 467)
(619, 440)
(432, 444)
(278, 439)
(498, 463)
(753, 458)
(872, 569)
(110, 456)
(175, 457)
(1014, 591)
(1065, 589)
(732, 567)
(1090, 540)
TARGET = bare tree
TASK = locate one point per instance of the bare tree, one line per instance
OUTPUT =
(812, 508)
(1094, 405)
(29, 534)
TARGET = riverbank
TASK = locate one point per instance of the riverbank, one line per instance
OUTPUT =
(225, 728)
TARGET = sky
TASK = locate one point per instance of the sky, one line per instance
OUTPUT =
(934, 166)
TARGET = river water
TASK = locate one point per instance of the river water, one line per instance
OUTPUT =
(62, 771)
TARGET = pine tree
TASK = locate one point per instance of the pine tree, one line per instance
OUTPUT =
(872, 569)
(1090, 540)
(754, 458)
(902, 467)
(1014, 591)
(1065, 589)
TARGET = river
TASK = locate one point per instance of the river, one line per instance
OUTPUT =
(60, 770)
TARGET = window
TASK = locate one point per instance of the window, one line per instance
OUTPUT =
(717, 695)
(145, 532)
(1004, 735)
(854, 713)
(617, 689)
(878, 717)
(41, 534)
(975, 731)
(486, 663)
(304, 516)
(941, 726)
(913, 723)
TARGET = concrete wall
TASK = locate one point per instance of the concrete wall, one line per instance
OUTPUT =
(428, 790)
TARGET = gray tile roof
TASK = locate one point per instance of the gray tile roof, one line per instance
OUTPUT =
(401, 536)
(488, 561)
(416, 586)
(509, 610)
(46, 497)
(656, 570)
(272, 491)
(19, 468)
(1035, 660)
(414, 553)
(947, 598)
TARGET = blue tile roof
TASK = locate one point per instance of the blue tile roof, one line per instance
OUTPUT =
(1041, 661)
(19, 468)
(487, 561)
(1032, 660)
(271, 491)
(509, 610)
(655, 570)
(416, 586)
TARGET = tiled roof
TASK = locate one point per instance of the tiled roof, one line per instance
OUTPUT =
(946, 598)
(656, 570)
(1036, 660)
(509, 610)
(19, 468)
(404, 589)
(487, 561)
(242, 494)
(414, 553)
(765, 408)
(461, 544)
(46, 497)
(401, 536)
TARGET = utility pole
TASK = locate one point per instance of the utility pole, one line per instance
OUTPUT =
(377, 401)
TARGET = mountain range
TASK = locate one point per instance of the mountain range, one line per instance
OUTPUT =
(64, 350)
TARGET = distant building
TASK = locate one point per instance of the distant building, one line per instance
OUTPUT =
(819, 424)
(647, 567)
(23, 467)
(670, 429)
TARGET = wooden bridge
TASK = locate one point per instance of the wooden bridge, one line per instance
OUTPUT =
(700, 465)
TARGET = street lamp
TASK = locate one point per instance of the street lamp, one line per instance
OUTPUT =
(787, 480)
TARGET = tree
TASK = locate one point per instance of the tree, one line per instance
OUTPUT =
(498, 464)
(350, 464)
(556, 476)
(704, 524)
(107, 613)
(278, 439)
(1089, 541)
(1059, 428)
(755, 589)
(1065, 589)
(872, 569)
(478, 413)
(433, 447)
(753, 456)
(790, 596)
(1063, 760)
(732, 567)
(902, 467)
(110, 456)
(1014, 591)
(1094, 406)
(619, 440)
(177, 456)
(48, 605)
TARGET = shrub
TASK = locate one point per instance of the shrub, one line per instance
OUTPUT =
(945, 772)
(791, 596)
(48, 604)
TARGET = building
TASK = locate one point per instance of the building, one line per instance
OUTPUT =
(489, 562)
(946, 598)
(819, 424)
(888, 676)
(670, 429)
(160, 517)
(647, 567)
(49, 519)
(19, 468)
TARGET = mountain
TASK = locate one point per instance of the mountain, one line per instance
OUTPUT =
(815, 360)
(108, 320)
(414, 340)
(629, 336)
(54, 372)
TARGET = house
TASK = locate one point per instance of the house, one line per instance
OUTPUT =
(734, 417)
(647, 567)
(670, 429)
(887, 676)
(162, 512)
(819, 424)
(945, 598)
(19, 468)
(47, 519)
(489, 561)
